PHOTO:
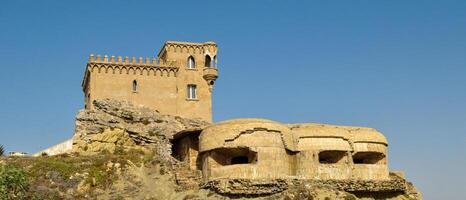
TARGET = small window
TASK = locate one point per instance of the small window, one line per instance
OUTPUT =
(331, 157)
(208, 61)
(192, 92)
(368, 158)
(135, 86)
(191, 63)
(232, 156)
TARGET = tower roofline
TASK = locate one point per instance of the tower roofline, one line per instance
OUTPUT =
(180, 43)
(120, 62)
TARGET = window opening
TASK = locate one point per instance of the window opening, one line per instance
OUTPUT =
(135, 86)
(191, 63)
(368, 158)
(331, 157)
(192, 92)
(208, 61)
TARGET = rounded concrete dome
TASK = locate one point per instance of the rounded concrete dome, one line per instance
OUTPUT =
(216, 135)
(319, 130)
(368, 135)
(245, 121)
(353, 133)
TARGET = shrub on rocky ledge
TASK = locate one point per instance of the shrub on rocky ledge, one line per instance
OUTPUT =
(14, 183)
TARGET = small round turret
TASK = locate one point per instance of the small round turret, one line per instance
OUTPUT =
(210, 75)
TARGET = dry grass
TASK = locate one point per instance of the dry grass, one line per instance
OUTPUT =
(53, 175)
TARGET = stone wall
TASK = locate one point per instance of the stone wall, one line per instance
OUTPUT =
(160, 83)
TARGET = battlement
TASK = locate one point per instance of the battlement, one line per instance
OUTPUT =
(154, 62)
(190, 43)
(188, 47)
(120, 65)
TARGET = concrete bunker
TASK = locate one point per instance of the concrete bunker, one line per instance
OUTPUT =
(247, 149)
(324, 152)
(340, 152)
(369, 154)
(264, 149)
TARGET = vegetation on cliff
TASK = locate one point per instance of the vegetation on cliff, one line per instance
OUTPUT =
(14, 182)
(67, 176)
(121, 151)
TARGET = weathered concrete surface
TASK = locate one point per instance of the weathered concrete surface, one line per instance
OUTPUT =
(264, 149)
(258, 157)
(112, 124)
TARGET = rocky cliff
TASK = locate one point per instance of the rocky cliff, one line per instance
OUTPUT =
(122, 151)
(118, 125)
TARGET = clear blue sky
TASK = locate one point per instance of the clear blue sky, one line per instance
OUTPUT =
(398, 66)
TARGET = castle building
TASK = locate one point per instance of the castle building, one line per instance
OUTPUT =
(178, 82)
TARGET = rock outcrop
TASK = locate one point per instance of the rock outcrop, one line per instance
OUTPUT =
(119, 125)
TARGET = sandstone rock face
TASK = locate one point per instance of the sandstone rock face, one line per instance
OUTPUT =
(112, 124)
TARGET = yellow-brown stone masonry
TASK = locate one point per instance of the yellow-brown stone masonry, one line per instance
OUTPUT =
(160, 83)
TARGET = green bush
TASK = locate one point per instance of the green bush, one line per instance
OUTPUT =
(14, 183)
(53, 164)
(100, 175)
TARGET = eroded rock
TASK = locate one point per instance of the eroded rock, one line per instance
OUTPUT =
(112, 124)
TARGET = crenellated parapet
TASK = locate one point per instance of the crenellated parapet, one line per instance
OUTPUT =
(135, 66)
(189, 47)
(130, 66)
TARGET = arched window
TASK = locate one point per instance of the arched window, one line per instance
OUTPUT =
(214, 62)
(135, 86)
(208, 61)
(191, 63)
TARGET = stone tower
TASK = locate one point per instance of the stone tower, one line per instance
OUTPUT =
(178, 82)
